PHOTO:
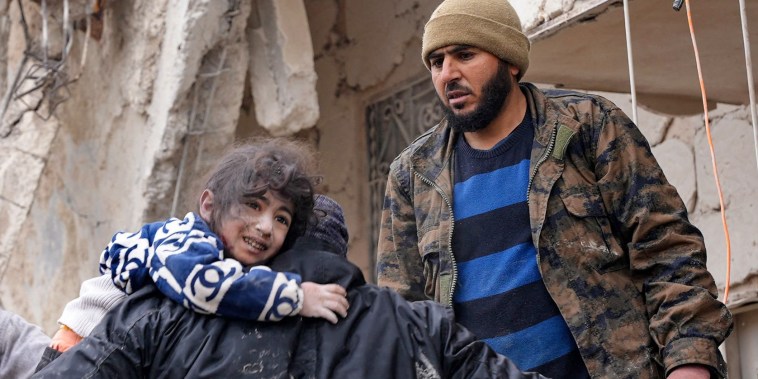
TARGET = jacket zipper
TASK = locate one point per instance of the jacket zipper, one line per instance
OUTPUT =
(543, 158)
(450, 236)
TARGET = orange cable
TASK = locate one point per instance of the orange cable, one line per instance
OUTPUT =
(713, 154)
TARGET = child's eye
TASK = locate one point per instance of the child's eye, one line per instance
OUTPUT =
(283, 220)
(254, 205)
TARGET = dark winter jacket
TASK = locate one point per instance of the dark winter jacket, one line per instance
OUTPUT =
(383, 336)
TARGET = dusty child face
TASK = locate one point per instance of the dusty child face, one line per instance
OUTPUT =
(255, 231)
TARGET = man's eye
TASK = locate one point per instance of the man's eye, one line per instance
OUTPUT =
(437, 63)
(466, 55)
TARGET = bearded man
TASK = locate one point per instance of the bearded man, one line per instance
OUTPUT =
(544, 220)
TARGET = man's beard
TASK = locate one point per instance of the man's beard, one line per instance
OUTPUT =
(494, 93)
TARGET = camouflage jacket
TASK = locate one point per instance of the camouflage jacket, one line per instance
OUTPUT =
(616, 250)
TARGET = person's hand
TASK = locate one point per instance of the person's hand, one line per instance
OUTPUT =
(690, 372)
(324, 300)
(64, 339)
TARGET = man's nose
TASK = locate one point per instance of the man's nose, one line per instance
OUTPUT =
(449, 71)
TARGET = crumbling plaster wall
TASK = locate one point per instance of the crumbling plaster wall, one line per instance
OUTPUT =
(362, 48)
(109, 160)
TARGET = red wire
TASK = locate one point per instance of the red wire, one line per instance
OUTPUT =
(713, 154)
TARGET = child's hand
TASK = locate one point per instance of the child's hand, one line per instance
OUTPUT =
(324, 300)
(64, 339)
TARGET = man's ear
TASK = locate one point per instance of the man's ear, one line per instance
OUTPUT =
(515, 71)
(206, 205)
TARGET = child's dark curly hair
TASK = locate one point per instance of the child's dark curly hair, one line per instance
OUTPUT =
(259, 165)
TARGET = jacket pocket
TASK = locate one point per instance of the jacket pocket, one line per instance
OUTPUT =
(429, 247)
(590, 230)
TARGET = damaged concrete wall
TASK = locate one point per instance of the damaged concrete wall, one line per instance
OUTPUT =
(110, 158)
(282, 76)
(362, 48)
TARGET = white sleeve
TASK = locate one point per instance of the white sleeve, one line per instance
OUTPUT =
(21, 346)
(96, 297)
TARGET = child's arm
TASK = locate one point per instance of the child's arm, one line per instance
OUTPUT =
(186, 262)
(96, 297)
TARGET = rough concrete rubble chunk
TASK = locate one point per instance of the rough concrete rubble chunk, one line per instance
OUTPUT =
(530, 13)
(203, 41)
(282, 73)
(555, 8)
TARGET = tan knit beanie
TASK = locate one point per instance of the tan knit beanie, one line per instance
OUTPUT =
(491, 25)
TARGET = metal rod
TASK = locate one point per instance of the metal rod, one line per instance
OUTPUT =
(630, 59)
(749, 68)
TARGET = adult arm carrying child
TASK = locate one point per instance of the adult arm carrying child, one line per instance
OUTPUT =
(256, 203)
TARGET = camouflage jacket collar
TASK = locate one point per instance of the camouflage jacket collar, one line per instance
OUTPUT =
(431, 157)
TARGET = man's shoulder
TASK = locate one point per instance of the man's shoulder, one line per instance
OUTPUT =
(424, 147)
(421, 140)
(570, 102)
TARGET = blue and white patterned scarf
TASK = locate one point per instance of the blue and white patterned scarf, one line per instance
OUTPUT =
(185, 260)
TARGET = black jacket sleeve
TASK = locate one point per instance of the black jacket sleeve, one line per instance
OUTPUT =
(458, 352)
(117, 347)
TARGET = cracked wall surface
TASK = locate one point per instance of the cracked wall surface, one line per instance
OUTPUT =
(110, 158)
(362, 48)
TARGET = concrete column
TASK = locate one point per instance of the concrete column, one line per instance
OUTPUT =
(282, 75)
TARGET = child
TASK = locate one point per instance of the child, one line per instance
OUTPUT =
(256, 202)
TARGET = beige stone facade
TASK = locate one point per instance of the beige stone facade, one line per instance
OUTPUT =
(168, 84)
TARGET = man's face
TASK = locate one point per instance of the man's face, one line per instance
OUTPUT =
(472, 85)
